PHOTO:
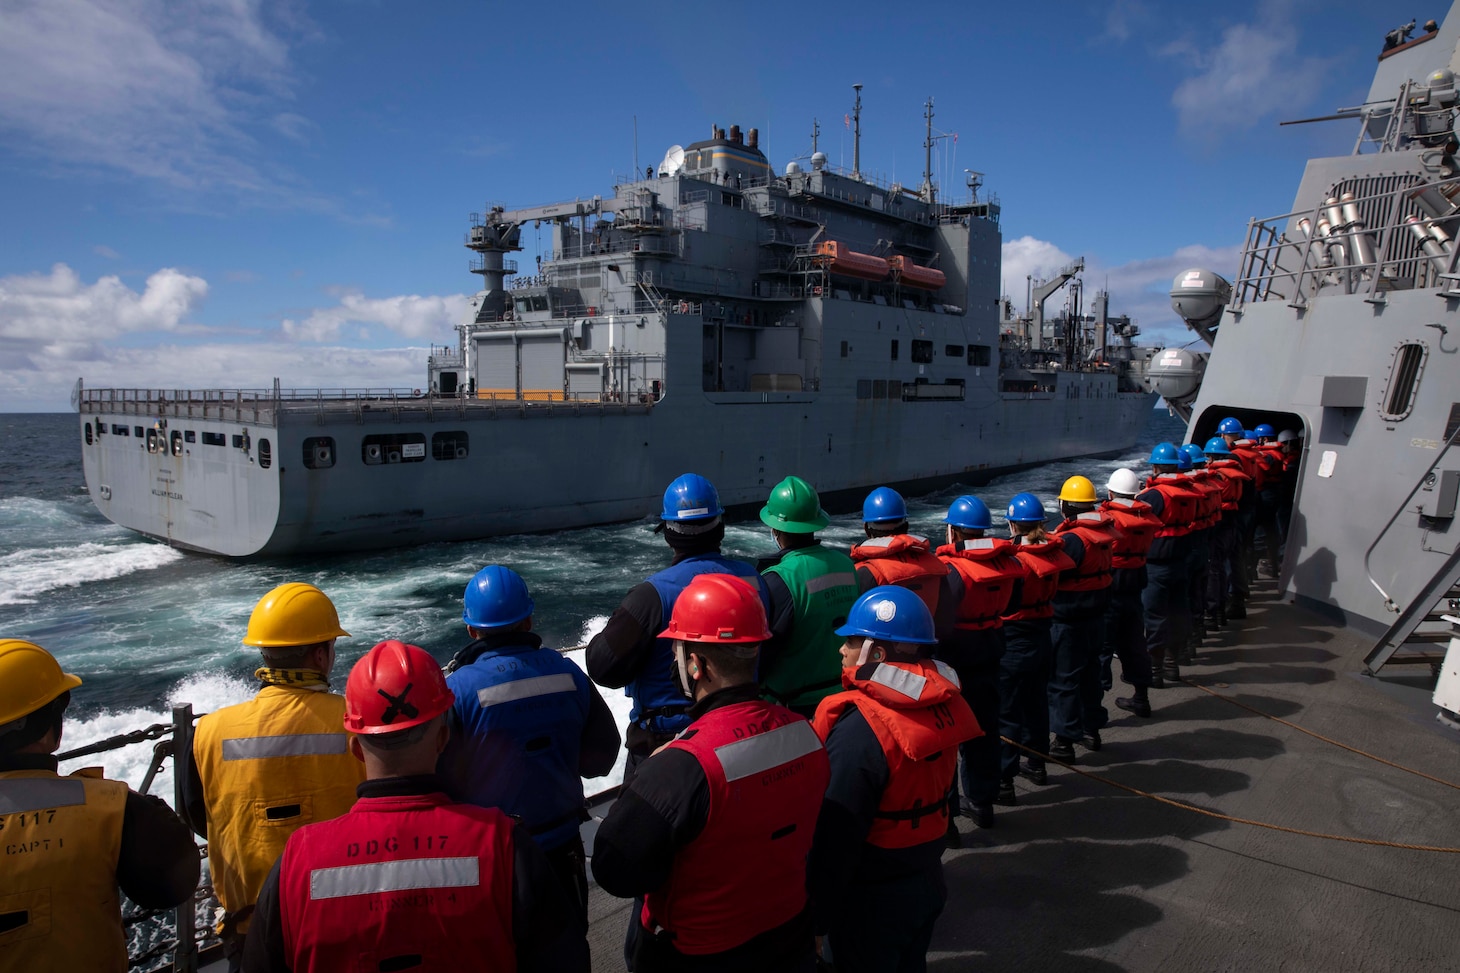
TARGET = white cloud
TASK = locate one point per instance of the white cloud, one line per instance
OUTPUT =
(410, 315)
(40, 309)
(1250, 74)
(1139, 288)
(102, 250)
(149, 87)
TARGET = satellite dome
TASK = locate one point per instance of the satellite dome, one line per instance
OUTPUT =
(818, 160)
(792, 167)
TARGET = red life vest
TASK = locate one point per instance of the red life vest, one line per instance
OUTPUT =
(1043, 563)
(905, 561)
(1179, 511)
(1233, 481)
(1270, 462)
(1137, 526)
(1098, 533)
(411, 876)
(919, 716)
(989, 570)
(745, 873)
(1246, 453)
(1209, 509)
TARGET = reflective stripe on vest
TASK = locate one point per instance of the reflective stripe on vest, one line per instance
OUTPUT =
(745, 872)
(507, 692)
(59, 907)
(269, 766)
(285, 745)
(415, 876)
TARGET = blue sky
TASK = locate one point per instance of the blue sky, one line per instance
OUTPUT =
(217, 193)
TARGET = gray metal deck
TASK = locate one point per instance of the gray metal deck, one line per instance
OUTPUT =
(1082, 877)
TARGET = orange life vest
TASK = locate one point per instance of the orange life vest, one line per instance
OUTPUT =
(989, 570)
(1043, 563)
(919, 717)
(1209, 509)
(905, 561)
(1234, 480)
(1179, 511)
(1137, 526)
(1098, 533)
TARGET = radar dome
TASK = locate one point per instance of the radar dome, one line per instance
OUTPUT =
(818, 160)
(1175, 374)
(792, 167)
(1198, 297)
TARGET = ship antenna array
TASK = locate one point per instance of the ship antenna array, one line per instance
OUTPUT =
(857, 134)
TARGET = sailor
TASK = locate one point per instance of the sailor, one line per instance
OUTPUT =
(1192, 462)
(1125, 634)
(1166, 601)
(1028, 650)
(527, 726)
(1267, 536)
(71, 841)
(714, 830)
(409, 879)
(1241, 449)
(811, 589)
(1223, 538)
(892, 738)
(629, 653)
(1076, 712)
(264, 768)
(974, 649)
(1291, 443)
(890, 555)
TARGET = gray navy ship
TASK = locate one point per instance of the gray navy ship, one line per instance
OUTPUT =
(1343, 324)
(709, 315)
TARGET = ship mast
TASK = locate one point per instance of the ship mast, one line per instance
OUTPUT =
(857, 134)
(926, 190)
(815, 134)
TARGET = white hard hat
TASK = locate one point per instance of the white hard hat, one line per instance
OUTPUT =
(1287, 436)
(1125, 482)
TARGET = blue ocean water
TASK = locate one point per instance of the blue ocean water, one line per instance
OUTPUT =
(147, 626)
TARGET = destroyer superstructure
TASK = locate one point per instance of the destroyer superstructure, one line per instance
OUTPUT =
(1343, 324)
(709, 315)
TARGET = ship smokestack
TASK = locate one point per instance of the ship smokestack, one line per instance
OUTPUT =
(752, 138)
(735, 134)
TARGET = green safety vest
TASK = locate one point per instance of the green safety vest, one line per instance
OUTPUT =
(823, 586)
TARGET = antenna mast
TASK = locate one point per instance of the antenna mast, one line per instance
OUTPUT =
(926, 190)
(857, 134)
(815, 134)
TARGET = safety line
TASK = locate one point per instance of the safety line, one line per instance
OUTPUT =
(1319, 736)
(1228, 817)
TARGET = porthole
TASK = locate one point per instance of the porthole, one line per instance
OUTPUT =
(1404, 377)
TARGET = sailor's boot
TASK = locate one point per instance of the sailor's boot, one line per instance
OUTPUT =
(1138, 702)
(1170, 671)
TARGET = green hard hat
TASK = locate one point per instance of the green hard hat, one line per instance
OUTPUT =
(794, 508)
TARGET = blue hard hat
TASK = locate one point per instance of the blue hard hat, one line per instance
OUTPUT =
(691, 497)
(1264, 431)
(1193, 453)
(890, 614)
(1249, 434)
(496, 597)
(1025, 508)
(1183, 460)
(969, 513)
(1216, 446)
(883, 505)
(1229, 427)
(1165, 454)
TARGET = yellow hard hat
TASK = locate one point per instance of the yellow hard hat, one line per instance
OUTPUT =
(293, 614)
(30, 677)
(1078, 489)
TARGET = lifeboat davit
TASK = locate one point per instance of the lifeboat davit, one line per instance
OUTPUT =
(916, 275)
(849, 263)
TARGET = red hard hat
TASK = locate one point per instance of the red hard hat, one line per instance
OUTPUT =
(394, 687)
(718, 608)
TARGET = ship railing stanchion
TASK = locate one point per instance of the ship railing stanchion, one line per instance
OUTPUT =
(185, 954)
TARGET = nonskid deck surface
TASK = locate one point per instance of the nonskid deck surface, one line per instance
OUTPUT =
(1083, 877)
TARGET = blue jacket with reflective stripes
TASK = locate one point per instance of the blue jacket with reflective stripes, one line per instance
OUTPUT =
(655, 688)
(518, 729)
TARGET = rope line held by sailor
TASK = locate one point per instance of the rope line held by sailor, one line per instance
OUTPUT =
(1319, 736)
(1350, 839)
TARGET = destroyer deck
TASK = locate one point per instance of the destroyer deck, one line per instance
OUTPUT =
(1082, 877)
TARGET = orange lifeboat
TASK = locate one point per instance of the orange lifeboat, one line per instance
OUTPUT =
(916, 275)
(848, 263)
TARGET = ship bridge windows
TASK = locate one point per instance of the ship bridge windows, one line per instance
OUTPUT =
(449, 445)
(922, 352)
(389, 448)
(319, 452)
(1404, 376)
(953, 351)
(979, 355)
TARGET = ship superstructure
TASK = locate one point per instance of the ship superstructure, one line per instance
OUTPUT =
(1343, 324)
(709, 315)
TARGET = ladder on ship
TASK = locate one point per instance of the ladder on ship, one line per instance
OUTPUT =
(1420, 633)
